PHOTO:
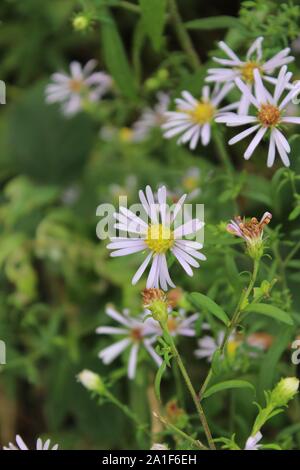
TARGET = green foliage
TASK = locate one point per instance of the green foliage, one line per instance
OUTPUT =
(278, 22)
(154, 17)
(214, 22)
(228, 384)
(270, 311)
(203, 302)
(45, 145)
(115, 57)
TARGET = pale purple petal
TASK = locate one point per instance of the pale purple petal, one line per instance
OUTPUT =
(141, 269)
(254, 143)
(111, 352)
(132, 361)
(243, 134)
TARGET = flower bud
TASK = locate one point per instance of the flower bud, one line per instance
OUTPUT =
(163, 75)
(157, 446)
(81, 22)
(152, 84)
(284, 391)
(91, 381)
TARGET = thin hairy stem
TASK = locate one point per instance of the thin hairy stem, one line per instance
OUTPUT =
(195, 443)
(191, 389)
(234, 321)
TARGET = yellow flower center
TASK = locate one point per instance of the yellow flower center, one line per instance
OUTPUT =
(159, 238)
(269, 115)
(247, 71)
(202, 113)
(75, 85)
(126, 134)
(190, 183)
(232, 347)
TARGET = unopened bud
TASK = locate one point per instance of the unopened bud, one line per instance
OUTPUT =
(81, 22)
(91, 381)
(284, 391)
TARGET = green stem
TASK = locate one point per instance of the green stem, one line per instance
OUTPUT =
(182, 434)
(127, 6)
(178, 383)
(122, 407)
(114, 400)
(222, 153)
(182, 35)
(191, 389)
(234, 321)
(291, 254)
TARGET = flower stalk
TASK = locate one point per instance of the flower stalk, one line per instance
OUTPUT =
(242, 303)
(190, 387)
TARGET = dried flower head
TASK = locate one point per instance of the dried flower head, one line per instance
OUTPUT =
(152, 295)
(156, 301)
(251, 231)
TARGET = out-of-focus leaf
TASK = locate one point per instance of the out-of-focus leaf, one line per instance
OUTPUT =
(154, 17)
(228, 384)
(295, 213)
(116, 59)
(203, 302)
(269, 367)
(271, 311)
(44, 144)
(213, 22)
(137, 46)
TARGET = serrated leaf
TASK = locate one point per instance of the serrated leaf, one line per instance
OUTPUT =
(214, 22)
(227, 384)
(202, 301)
(154, 17)
(271, 311)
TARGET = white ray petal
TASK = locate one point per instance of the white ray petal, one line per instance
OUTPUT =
(254, 143)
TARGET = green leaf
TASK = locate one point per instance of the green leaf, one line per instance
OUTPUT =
(269, 366)
(154, 17)
(271, 311)
(116, 59)
(137, 47)
(214, 22)
(295, 213)
(158, 378)
(49, 147)
(228, 384)
(202, 301)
